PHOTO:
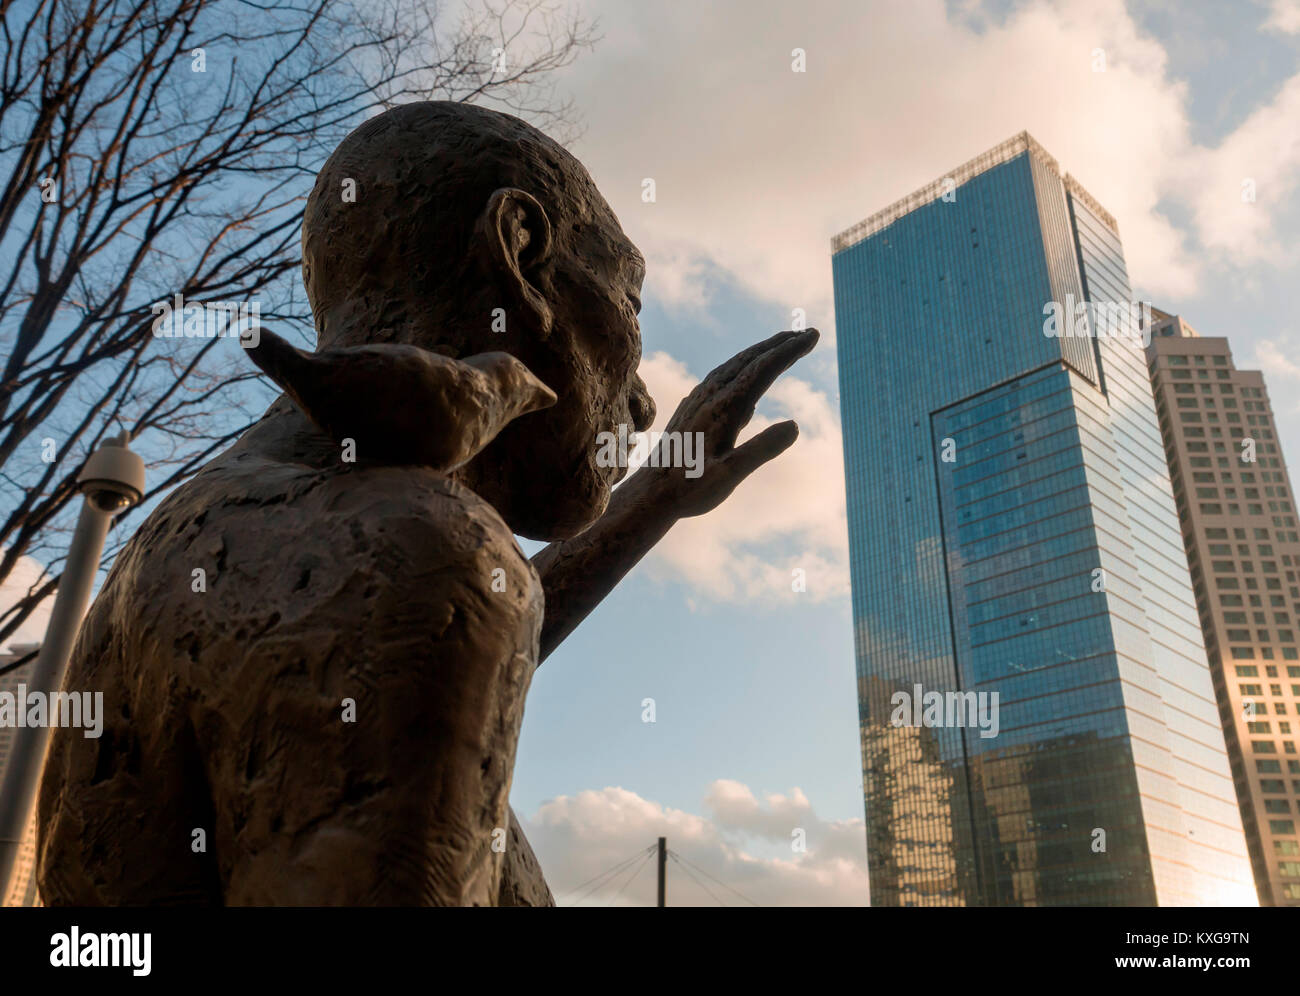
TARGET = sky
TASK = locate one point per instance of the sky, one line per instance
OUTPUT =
(1162, 110)
(755, 168)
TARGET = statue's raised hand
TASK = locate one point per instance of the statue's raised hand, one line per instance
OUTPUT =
(719, 407)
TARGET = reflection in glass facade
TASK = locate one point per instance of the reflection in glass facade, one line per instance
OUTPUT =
(1012, 531)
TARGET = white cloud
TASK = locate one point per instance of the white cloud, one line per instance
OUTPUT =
(677, 277)
(756, 166)
(1284, 17)
(578, 837)
(735, 806)
(796, 503)
(1277, 360)
(1238, 188)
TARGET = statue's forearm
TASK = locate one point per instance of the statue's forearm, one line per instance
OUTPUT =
(577, 574)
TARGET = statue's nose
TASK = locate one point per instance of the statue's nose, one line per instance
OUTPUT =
(641, 405)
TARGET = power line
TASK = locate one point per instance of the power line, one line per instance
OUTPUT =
(621, 866)
(691, 876)
(635, 872)
(608, 870)
(712, 878)
(606, 875)
(638, 861)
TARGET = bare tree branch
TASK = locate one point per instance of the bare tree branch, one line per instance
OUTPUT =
(150, 148)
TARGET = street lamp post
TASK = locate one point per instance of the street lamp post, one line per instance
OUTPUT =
(112, 480)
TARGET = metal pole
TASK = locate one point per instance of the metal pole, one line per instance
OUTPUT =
(27, 758)
(663, 865)
(112, 479)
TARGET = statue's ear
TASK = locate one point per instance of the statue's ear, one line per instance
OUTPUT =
(515, 233)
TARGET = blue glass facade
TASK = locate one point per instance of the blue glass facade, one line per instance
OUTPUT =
(1012, 532)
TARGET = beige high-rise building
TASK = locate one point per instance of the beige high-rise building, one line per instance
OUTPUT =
(1240, 529)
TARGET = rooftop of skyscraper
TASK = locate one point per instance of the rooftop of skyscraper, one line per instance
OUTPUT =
(1165, 324)
(996, 156)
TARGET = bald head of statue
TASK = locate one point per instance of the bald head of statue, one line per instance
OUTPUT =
(463, 230)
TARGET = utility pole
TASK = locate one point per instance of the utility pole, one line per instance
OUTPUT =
(663, 866)
(112, 480)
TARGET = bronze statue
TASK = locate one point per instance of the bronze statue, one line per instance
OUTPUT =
(315, 653)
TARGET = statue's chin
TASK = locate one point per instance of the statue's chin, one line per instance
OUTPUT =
(560, 519)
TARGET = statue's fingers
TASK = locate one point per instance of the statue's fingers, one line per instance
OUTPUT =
(749, 385)
(734, 367)
(761, 371)
(753, 453)
(730, 392)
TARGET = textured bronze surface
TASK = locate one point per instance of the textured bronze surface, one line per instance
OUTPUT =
(315, 653)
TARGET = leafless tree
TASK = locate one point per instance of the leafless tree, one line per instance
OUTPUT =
(155, 147)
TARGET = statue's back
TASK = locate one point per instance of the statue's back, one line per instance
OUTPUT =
(313, 684)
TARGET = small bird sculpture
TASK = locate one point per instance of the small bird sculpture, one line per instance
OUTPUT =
(403, 404)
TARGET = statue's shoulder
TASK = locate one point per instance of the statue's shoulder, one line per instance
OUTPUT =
(262, 533)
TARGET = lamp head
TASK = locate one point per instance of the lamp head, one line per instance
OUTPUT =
(113, 478)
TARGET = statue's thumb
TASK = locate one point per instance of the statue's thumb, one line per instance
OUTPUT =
(771, 442)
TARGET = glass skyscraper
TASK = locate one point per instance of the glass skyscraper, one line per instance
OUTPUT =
(1012, 533)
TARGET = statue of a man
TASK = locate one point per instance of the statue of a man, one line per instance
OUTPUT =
(314, 654)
